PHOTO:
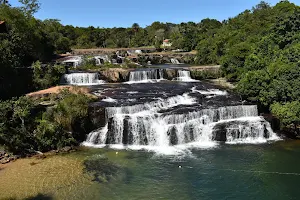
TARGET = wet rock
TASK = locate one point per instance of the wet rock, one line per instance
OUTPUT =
(97, 115)
(66, 149)
(4, 161)
(219, 133)
(126, 139)
(172, 133)
(110, 134)
(40, 156)
(170, 74)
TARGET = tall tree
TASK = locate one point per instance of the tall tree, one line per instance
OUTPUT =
(30, 6)
(135, 27)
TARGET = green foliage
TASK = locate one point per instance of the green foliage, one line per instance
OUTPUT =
(47, 75)
(23, 43)
(49, 136)
(17, 124)
(254, 86)
(30, 6)
(71, 113)
(27, 127)
(206, 74)
(267, 67)
(289, 113)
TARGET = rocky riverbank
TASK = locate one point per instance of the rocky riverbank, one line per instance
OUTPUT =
(6, 157)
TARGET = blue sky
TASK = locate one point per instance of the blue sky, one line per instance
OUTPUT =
(123, 13)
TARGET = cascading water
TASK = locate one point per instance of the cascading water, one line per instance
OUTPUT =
(82, 79)
(146, 76)
(184, 76)
(175, 61)
(155, 125)
(100, 60)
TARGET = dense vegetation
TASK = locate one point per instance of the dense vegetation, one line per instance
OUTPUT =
(260, 50)
(27, 126)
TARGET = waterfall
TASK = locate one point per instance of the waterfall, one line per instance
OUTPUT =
(100, 60)
(153, 125)
(184, 76)
(175, 61)
(82, 79)
(145, 76)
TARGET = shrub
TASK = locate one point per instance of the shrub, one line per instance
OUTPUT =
(47, 76)
(27, 127)
(202, 75)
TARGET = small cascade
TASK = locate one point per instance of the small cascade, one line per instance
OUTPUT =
(174, 61)
(154, 125)
(184, 76)
(100, 60)
(146, 76)
(82, 79)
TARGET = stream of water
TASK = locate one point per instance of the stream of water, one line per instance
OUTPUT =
(159, 139)
(267, 171)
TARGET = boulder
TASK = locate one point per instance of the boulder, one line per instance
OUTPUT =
(66, 149)
(115, 74)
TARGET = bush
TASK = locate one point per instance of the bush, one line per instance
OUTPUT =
(289, 114)
(27, 127)
(202, 75)
(71, 113)
(47, 76)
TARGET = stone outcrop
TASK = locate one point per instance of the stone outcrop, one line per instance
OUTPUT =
(117, 75)
(114, 75)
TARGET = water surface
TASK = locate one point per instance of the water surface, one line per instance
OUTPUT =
(265, 171)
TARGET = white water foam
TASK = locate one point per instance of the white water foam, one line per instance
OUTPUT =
(184, 76)
(82, 79)
(174, 61)
(132, 92)
(211, 92)
(109, 100)
(147, 76)
(145, 127)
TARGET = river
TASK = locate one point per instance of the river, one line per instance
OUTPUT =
(158, 139)
(264, 171)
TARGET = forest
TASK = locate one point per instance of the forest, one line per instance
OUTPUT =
(259, 51)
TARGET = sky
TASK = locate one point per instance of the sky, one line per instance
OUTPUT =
(123, 13)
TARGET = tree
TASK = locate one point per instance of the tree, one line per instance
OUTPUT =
(30, 7)
(135, 27)
(46, 76)
(289, 114)
(261, 6)
(254, 86)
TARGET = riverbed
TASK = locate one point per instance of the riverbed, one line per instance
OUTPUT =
(264, 171)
